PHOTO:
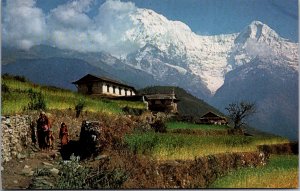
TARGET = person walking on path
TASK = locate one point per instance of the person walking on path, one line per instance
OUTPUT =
(43, 127)
(63, 134)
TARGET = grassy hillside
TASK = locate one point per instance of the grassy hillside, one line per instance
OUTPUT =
(187, 105)
(280, 172)
(16, 96)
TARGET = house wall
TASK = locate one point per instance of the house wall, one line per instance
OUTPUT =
(106, 88)
(82, 88)
(115, 90)
(97, 88)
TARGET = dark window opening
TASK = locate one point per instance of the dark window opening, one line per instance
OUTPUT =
(90, 88)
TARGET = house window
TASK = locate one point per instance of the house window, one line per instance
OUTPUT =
(120, 91)
(107, 88)
(114, 89)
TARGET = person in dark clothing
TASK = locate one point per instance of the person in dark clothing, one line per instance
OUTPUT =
(43, 127)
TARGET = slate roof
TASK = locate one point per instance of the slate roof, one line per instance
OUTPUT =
(92, 78)
(212, 115)
(161, 97)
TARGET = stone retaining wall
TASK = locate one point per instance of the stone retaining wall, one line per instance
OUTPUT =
(16, 135)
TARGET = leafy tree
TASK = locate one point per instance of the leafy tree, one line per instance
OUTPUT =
(37, 101)
(238, 112)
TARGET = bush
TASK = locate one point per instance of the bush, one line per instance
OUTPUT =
(4, 88)
(20, 78)
(159, 126)
(79, 107)
(37, 101)
(105, 178)
(132, 111)
(74, 176)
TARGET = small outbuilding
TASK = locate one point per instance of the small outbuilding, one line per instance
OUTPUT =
(102, 86)
(212, 118)
(161, 102)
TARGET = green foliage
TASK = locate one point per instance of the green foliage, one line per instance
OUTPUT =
(75, 176)
(79, 107)
(4, 88)
(280, 172)
(37, 101)
(185, 146)
(133, 111)
(185, 125)
(105, 178)
(17, 78)
(238, 141)
(72, 175)
(42, 172)
(159, 126)
(142, 143)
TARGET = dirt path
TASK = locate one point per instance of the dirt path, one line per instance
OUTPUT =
(17, 173)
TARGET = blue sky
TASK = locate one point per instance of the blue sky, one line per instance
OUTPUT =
(210, 17)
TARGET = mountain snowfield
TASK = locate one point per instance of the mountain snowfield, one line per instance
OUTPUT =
(209, 58)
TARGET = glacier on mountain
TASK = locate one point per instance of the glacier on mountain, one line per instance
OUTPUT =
(164, 43)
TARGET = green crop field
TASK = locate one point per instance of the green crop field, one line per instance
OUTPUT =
(184, 125)
(168, 146)
(16, 98)
(280, 172)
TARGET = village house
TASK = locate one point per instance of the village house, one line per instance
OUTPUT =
(212, 118)
(102, 86)
(161, 102)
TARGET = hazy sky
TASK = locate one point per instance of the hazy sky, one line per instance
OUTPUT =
(96, 25)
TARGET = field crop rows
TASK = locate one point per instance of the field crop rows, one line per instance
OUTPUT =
(169, 146)
(280, 172)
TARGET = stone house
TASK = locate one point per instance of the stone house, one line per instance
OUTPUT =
(161, 102)
(102, 86)
(212, 118)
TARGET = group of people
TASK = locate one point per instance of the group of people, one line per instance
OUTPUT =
(45, 135)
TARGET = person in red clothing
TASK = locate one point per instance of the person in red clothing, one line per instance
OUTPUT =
(63, 134)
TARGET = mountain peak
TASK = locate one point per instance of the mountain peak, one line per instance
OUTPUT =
(257, 31)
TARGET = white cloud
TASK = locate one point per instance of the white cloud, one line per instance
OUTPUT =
(68, 26)
(23, 24)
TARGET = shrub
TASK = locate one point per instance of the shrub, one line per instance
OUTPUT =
(79, 107)
(132, 111)
(4, 88)
(75, 176)
(105, 178)
(37, 101)
(20, 78)
(72, 175)
(159, 126)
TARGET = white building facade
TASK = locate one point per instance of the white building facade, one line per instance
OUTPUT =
(93, 85)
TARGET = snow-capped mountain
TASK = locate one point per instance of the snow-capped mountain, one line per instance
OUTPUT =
(255, 64)
(171, 44)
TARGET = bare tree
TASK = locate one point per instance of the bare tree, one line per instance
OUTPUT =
(238, 112)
